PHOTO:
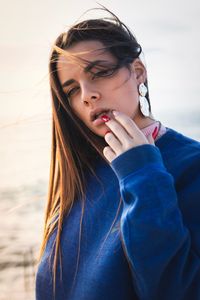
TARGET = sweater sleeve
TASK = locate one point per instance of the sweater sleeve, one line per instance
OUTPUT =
(164, 262)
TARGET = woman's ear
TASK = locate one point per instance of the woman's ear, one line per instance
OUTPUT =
(139, 70)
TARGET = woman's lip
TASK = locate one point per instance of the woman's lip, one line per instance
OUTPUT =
(99, 120)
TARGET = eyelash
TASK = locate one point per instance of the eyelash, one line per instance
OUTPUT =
(103, 73)
(71, 91)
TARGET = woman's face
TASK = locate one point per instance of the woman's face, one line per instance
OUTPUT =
(99, 89)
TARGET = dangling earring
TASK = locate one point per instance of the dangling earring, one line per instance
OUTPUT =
(144, 105)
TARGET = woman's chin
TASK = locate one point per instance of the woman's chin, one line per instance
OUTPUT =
(100, 131)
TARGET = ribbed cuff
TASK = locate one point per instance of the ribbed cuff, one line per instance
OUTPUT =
(136, 158)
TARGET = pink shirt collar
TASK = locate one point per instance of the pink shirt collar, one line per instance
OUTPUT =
(150, 129)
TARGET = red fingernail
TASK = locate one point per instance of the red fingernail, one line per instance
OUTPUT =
(105, 118)
(155, 132)
(107, 131)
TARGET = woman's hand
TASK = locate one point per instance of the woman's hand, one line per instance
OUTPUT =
(123, 135)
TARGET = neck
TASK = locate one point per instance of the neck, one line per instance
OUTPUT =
(143, 122)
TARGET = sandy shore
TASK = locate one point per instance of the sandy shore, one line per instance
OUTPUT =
(22, 212)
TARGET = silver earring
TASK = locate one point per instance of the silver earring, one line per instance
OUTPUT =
(144, 105)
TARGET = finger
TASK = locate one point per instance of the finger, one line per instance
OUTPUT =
(113, 142)
(119, 131)
(129, 125)
(109, 153)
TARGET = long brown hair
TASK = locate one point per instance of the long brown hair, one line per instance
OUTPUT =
(69, 159)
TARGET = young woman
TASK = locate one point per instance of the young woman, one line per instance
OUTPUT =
(122, 219)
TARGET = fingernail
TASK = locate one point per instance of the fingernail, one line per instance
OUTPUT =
(115, 113)
(154, 133)
(105, 118)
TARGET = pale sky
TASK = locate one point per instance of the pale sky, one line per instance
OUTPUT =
(169, 32)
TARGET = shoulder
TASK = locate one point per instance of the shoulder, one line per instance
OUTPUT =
(180, 153)
(173, 139)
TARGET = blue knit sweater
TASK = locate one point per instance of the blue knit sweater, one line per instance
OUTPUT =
(143, 245)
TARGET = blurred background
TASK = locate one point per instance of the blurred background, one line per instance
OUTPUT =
(169, 32)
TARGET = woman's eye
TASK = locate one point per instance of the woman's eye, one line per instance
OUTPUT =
(71, 91)
(103, 73)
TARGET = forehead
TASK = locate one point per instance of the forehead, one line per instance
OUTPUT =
(85, 50)
(89, 49)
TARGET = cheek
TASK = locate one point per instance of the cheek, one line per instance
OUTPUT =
(129, 97)
(76, 109)
(129, 88)
(133, 94)
(129, 102)
(79, 112)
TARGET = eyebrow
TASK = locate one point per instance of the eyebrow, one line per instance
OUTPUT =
(86, 69)
(68, 82)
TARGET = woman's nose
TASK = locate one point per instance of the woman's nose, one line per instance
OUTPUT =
(89, 95)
